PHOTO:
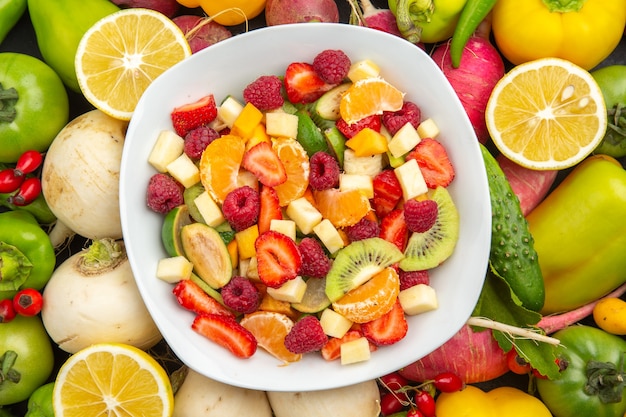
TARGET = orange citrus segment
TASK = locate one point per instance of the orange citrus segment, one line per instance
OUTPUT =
(270, 329)
(296, 163)
(371, 300)
(342, 208)
(220, 164)
(121, 54)
(546, 114)
(109, 379)
(367, 97)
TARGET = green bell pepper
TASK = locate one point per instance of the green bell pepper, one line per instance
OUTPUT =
(427, 21)
(580, 234)
(10, 12)
(27, 257)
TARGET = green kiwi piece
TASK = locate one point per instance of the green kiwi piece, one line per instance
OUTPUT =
(429, 249)
(357, 263)
(309, 135)
(315, 299)
(189, 195)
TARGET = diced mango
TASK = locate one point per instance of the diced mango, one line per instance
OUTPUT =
(245, 241)
(367, 142)
(245, 123)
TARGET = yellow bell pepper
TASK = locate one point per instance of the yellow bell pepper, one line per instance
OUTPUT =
(228, 12)
(584, 32)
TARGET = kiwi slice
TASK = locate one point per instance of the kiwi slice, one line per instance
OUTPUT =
(315, 299)
(429, 249)
(189, 195)
(357, 263)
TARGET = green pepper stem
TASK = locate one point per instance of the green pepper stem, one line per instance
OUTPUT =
(7, 372)
(409, 13)
(564, 6)
(8, 97)
(102, 254)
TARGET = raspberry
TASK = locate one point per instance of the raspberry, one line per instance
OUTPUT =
(315, 263)
(363, 229)
(349, 130)
(409, 113)
(306, 335)
(164, 193)
(264, 92)
(420, 216)
(324, 171)
(241, 295)
(241, 207)
(332, 65)
(411, 278)
(198, 139)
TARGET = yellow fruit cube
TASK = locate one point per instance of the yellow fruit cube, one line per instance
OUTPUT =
(363, 69)
(367, 142)
(258, 135)
(245, 241)
(247, 121)
(354, 351)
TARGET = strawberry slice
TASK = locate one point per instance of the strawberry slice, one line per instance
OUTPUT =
(434, 163)
(388, 329)
(269, 209)
(387, 192)
(192, 115)
(302, 84)
(393, 229)
(349, 130)
(278, 258)
(193, 298)
(226, 332)
(265, 164)
(332, 349)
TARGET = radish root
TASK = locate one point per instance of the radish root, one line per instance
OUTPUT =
(512, 330)
(209, 19)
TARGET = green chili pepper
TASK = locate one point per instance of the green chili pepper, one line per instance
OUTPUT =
(10, 12)
(580, 234)
(27, 257)
(426, 21)
(472, 14)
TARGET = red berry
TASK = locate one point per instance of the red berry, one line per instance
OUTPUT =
(315, 263)
(241, 207)
(192, 115)
(28, 302)
(306, 335)
(392, 403)
(27, 193)
(302, 84)
(241, 295)
(409, 113)
(324, 171)
(421, 215)
(425, 403)
(516, 363)
(332, 65)
(411, 278)
(226, 332)
(28, 162)
(264, 93)
(264, 163)
(448, 382)
(7, 311)
(349, 130)
(278, 258)
(393, 381)
(434, 163)
(414, 412)
(198, 139)
(363, 229)
(164, 193)
(10, 180)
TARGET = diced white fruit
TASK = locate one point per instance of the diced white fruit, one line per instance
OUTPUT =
(228, 111)
(404, 140)
(304, 214)
(252, 270)
(428, 129)
(167, 148)
(209, 209)
(368, 165)
(334, 324)
(286, 227)
(243, 265)
(184, 171)
(360, 182)
(281, 124)
(174, 269)
(363, 69)
(411, 179)
(291, 291)
(247, 178)
(357, 350)
(418, 299)
(329, 235)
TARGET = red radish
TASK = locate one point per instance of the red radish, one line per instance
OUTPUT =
(201, 31)
(473, 356)
(168, 7)
(480, 69)
(280, 12)
(529, 185)
(369, 15)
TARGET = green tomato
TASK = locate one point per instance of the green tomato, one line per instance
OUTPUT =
(584, 348)
(427, 21)
(612, 82)
(34, 361)
(34, 105)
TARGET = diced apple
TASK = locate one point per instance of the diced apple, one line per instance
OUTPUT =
(329, 235)
(363, 69)
(418, 299)
(184, 171)
(291, 291)
(334, 324)
(304, 214)
(284, 226)
(281, 124)
(244, 264)
(411, 179)
(404, 140)
(360, 182)
(252, 271)
(357, 350)
(428, 129)
(209, 209)
(167, 148)
(174, 269)
(229, 110)
(369, 165)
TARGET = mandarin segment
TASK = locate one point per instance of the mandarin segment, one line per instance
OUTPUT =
(296, 163)
(368, 97)
(220, 165)
(270, 329)
(342, 208)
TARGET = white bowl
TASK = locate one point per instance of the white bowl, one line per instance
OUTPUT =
(226, 68)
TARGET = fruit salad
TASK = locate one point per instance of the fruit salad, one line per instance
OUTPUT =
(304, 214)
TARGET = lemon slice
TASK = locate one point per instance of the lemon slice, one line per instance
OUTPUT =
(121, 54)
(546, 114)
(108, 380)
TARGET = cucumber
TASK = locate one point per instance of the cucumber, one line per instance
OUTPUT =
(513, 255)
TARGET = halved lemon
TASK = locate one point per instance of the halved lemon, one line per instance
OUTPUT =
(546, 114)
(122, 53)
(111, 379)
